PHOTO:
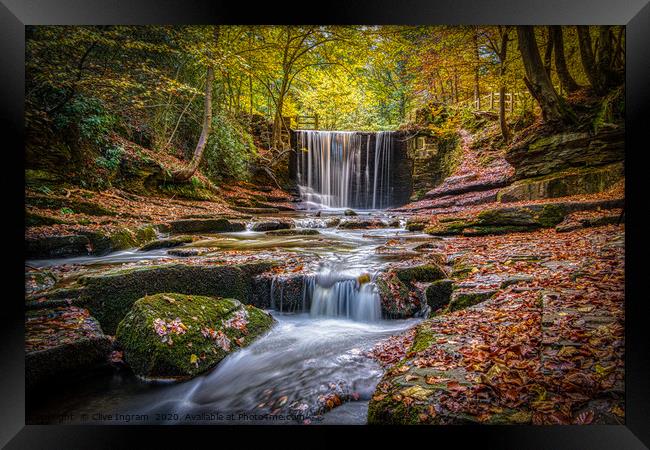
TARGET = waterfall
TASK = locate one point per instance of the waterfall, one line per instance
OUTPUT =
(341, 169)
(335, 295)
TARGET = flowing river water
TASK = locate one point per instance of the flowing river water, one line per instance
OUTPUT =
(313, 354)
(285, 376)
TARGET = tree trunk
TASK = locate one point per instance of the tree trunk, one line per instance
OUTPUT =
(548, 53)
(187, 172)
(605, 59)
(587, 55)
(477, 87)
(563, 73)
(537, 80)
(503, 53)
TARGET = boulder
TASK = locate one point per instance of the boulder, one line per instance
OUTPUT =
(565, 183)
(170, 335)
(57, 246)
(361, 224)
(464, 299)
(438, 294)
(272, 225)
(293, 232)
(424, 273)
(109, 295)
(548, 154)
(287, 293)
(205, 226)
(396, 299)
(62, 343)
(166, 243)
(350, 212)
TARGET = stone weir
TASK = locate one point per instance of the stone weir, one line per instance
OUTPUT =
(351, 169)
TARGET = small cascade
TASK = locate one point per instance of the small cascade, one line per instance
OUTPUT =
(337, 295)
(343, 169)
(329, 293)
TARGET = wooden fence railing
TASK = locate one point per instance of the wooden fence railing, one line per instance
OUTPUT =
(306, 122)
(490, 102)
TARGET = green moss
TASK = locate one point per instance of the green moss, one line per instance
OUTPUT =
(438, 294)
(462, 300)
(551, 215)
(123, 239)
(423, 339)
(189, 351)
(35, 220)
(495, 229)
(77, 206)
(191, 191)
(426, 272)
(111, 294)
(145, 234)
(167, 243)
(415, 225)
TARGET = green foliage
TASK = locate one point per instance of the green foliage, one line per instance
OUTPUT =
(229, 150)
(66, 211)
(89, 116)
(111, 158)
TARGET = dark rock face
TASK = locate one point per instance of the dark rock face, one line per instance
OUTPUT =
(431, 160)
(272, 225)
(62, 344)
(517, 218)
(438, 294)
(465, 299)
(558, 152)
(565, 183)
(57, 246)
(166, 243)
(287, 293)
(205, 226)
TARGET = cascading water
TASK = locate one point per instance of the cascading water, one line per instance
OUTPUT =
(328, 293)
(334, 294)
(341, 169)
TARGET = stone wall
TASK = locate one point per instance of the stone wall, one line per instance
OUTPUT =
(564, 164)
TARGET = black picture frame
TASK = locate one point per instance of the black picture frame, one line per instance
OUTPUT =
(635, 14)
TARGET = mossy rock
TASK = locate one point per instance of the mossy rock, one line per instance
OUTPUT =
(293, 232)
(438, 293)
(77, 206)
(35, 219)
(361, 224)
(110, 295)
(465, 299)
(57, 246)
(507, 216)
(575, 181)
(166, 243)
(416, 225)
(220, 225)
(191, 191)
(171, 335)
(272, 225)
(396, 303)
(424, 273)
(350, 212)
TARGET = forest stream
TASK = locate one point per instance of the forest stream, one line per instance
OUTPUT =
(307, 356)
